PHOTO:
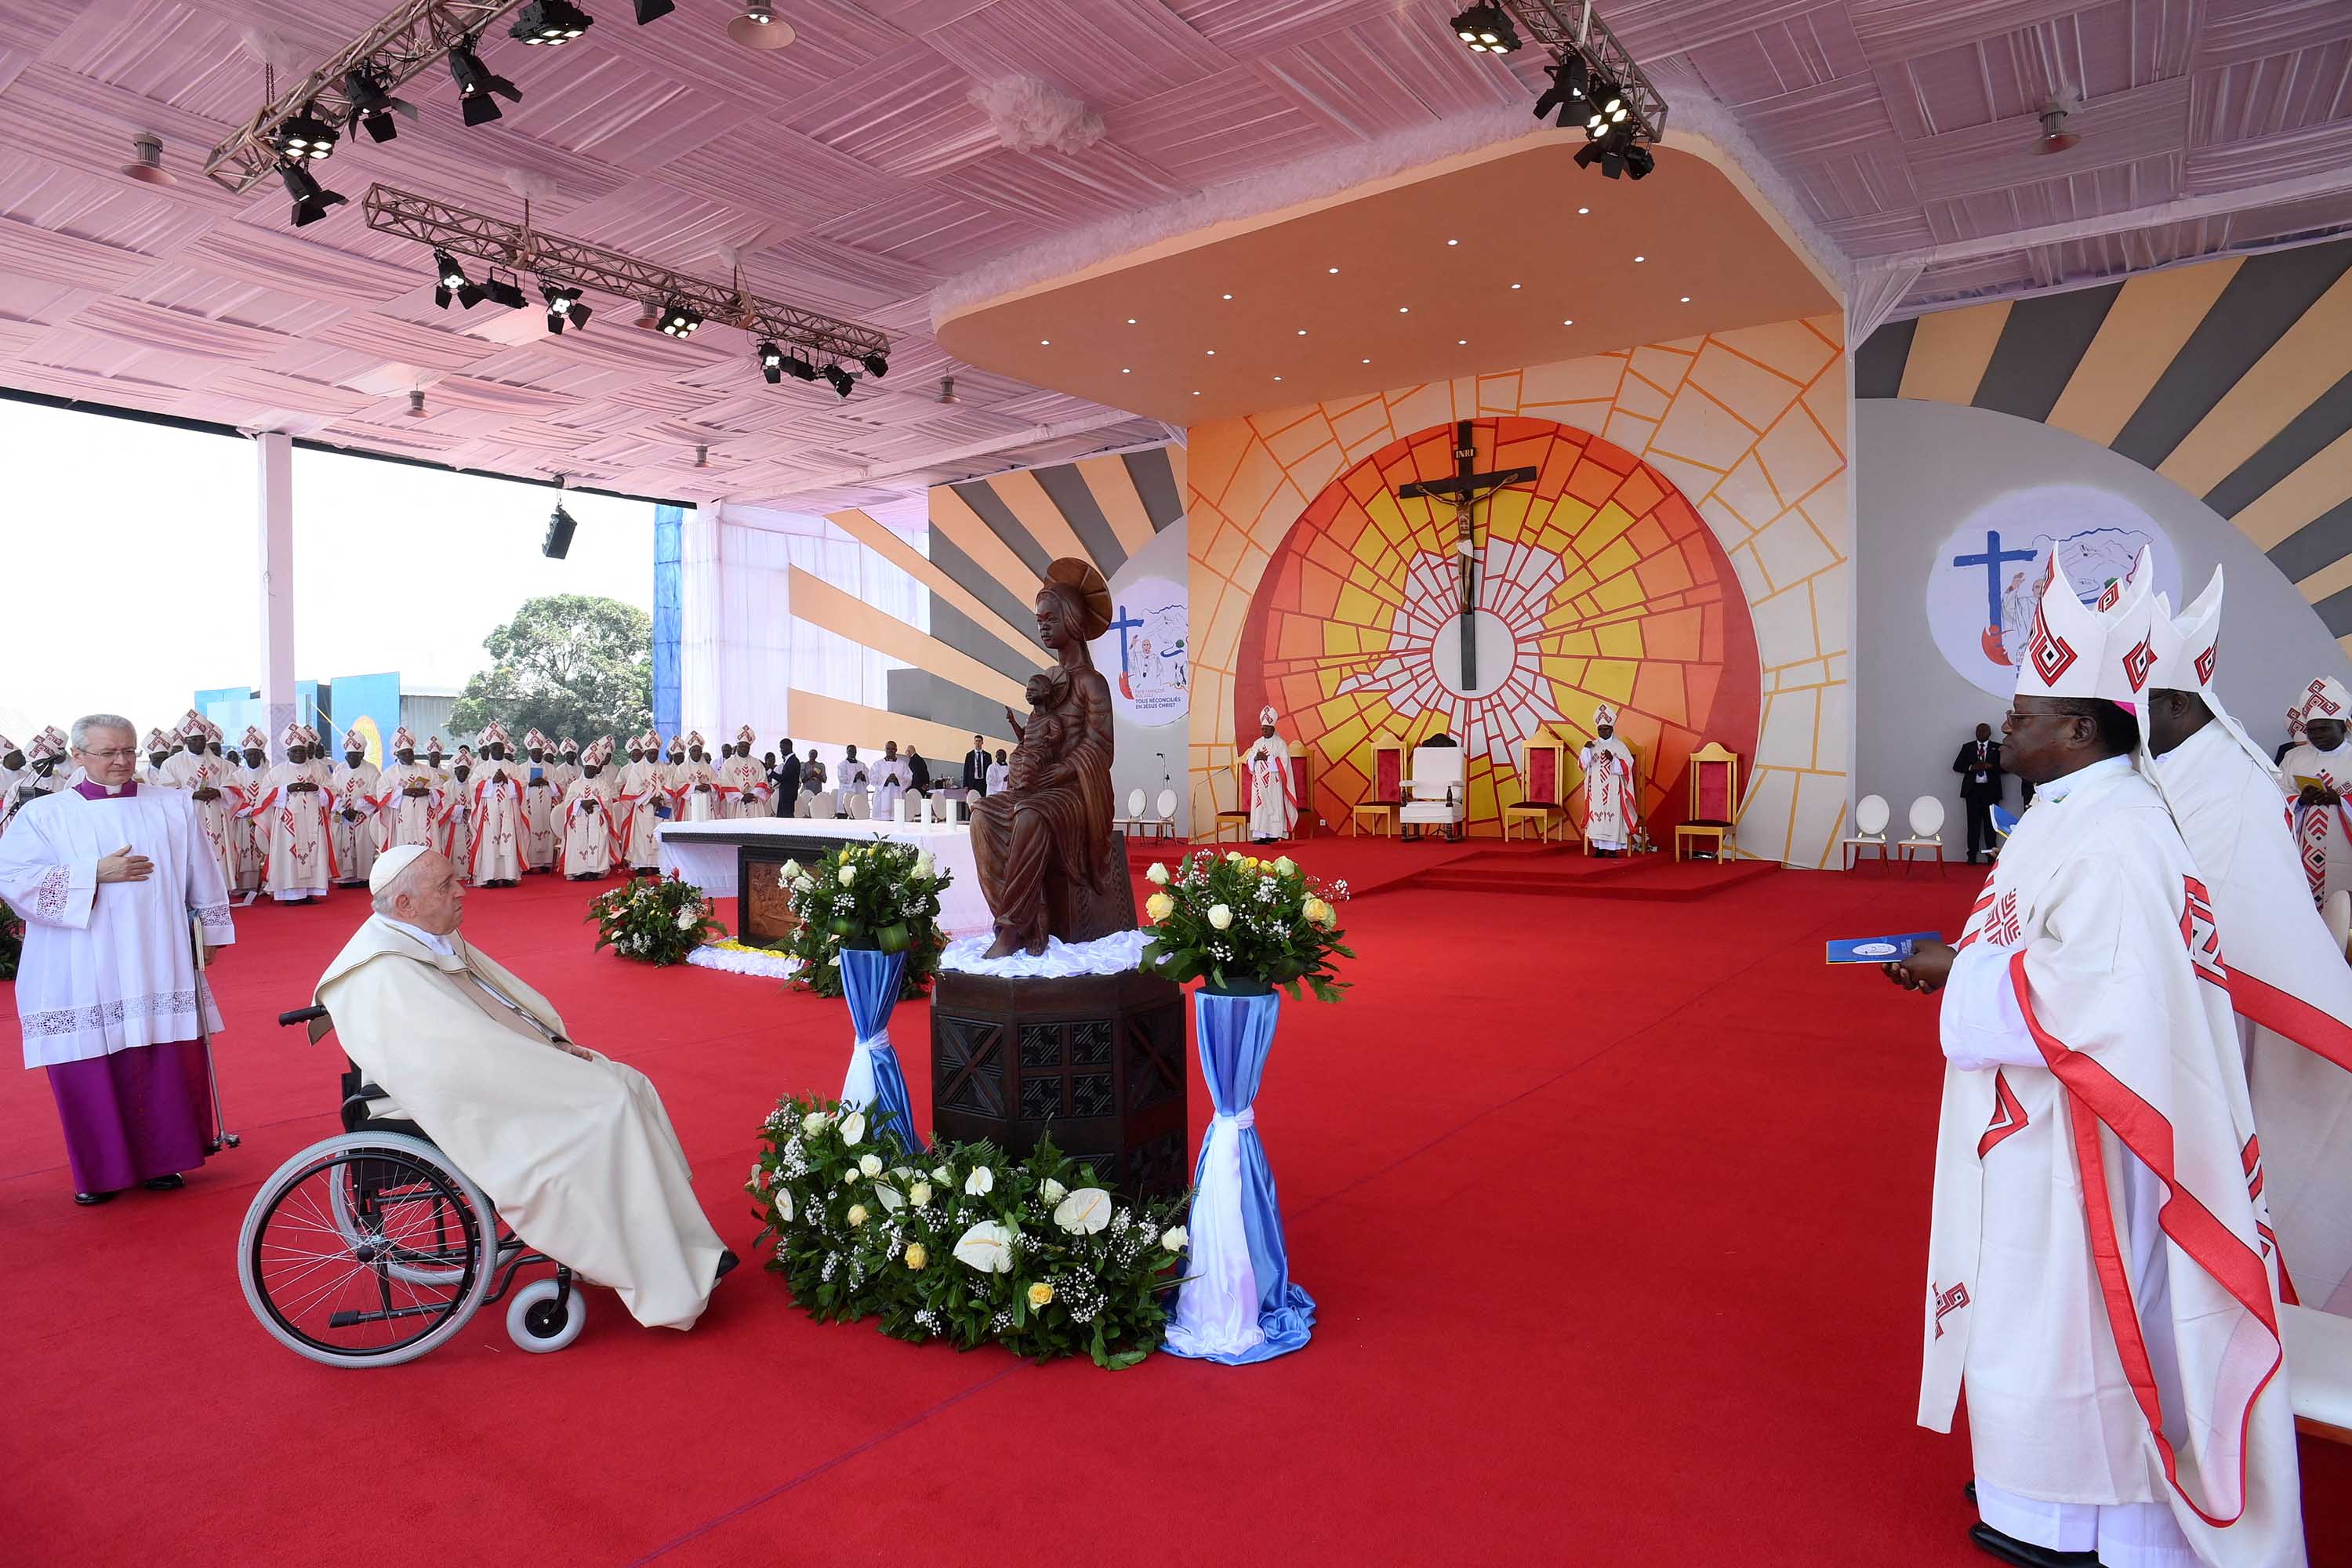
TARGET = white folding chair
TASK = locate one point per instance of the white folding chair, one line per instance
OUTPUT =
(1871, 814)
(1134, 820)
(1164, 813)
(1927, 832)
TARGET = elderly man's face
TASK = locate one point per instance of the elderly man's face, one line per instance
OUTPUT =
(429, 895)
(109, 756)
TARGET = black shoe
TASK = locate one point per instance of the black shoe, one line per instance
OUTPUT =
(2024, 1553)
(92, 1200)
(171, 1183)
(727, 1262)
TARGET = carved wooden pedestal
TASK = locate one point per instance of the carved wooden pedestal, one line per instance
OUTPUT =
(1097, 1061)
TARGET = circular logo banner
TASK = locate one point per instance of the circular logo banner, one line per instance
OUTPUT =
(1143, 654)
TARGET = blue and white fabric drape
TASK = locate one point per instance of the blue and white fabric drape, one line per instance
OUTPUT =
(875, 1084)
(1237, 1304)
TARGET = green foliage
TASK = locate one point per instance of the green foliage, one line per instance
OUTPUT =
(568, 665)
(961, 1245)
(12, 942)
(879, 895)
(1239, 921)
(656, 920)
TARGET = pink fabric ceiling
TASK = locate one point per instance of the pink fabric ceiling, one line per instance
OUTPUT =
(853, 175)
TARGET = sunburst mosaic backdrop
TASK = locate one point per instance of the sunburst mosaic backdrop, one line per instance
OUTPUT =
(1684, 554)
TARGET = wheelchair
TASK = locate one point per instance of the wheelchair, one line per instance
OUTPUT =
(371, 1249)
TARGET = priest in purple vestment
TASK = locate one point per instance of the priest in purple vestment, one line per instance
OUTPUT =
(108, 876)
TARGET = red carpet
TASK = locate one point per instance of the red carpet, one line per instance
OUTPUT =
(1616, 1213)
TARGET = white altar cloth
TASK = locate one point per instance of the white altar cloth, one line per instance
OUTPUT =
(703, 853)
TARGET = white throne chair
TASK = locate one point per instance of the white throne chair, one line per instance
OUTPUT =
(1433, 794)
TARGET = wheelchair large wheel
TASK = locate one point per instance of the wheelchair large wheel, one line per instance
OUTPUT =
(366, 1251)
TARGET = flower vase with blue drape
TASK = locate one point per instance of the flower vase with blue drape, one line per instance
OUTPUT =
(1237, 1303)
(875, 1084)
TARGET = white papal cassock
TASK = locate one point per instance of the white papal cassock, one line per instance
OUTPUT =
(576, 1155)
(2096, 1273)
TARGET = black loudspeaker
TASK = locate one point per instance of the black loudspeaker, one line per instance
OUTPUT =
(558, 542)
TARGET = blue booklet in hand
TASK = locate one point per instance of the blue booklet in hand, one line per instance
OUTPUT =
(2003, 821)
(1878, 949)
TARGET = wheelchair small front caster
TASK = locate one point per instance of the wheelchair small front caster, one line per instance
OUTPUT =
(536, 1322)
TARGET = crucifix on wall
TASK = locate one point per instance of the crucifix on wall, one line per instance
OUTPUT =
(1465, 489)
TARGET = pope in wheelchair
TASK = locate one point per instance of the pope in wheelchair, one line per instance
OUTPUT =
(572, 1149)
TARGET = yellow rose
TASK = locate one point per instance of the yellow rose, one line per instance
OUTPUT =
(857, 1213)
(1318, 913)
(1159, 907)
(1039, 1294)
(916, 1255)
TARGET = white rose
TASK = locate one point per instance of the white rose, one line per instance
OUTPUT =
(986, 1247)
(815, 1123)
(1176, 1239)
(1220, 916)
(1084, 1212)
(856, 1214)
(1285, 865)
(1233, 855)
(853, 1130)
(941, 1173)
(870, 1165)
(850, 1177)
(1053, 1191)
(1157, 875)
(686, 918)
(919, 1194)
(980, 1182)
(848, 875)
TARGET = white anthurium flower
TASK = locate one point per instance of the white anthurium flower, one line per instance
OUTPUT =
(870, 1164)
(980, 1182)
(1157, 875)
(1084, 1212)
(1220, 916)
(852, 1131)
(792, 868)
(848, 875)
(890, 1196)
(1053, 1190)
(784, 1196)
(986, 1247)
(1176, 1239)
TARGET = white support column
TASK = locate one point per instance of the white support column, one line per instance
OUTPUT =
(274, 453)
(702, 625)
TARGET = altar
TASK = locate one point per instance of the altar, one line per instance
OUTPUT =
(742, 859)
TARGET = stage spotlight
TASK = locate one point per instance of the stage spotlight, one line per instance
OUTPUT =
(1566, 91)
(450, 281)
(841, 379)
(772, 362)
(311, 200)
(654, 10)
(563, 306)
(1639, 161)
(1613, 148)
(876, 365)
(1486, 29)
(560, 526)
(503, 291)
(373, 104)
(550, 22)
(307, 136)
(678, 321)
(476, 83)
(1607, 108)
(799, 368)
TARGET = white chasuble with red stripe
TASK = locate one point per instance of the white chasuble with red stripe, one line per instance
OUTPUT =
(2097, 1276)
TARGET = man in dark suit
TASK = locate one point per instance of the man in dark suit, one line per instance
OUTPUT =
(975, 767)
(1978, 765)
(787, 779)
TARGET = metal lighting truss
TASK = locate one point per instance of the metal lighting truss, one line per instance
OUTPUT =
(403, 45)
(555, 259)
(1547, 23)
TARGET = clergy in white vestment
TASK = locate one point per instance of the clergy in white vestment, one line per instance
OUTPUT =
(566, 768)
(159, 752)
(13, 769)
(584, 820)
(434, 755)
(855, 803)
(108, 876)
(2322, 823)
(355, 782)
(749, 793)
(572, 1149)
(453, 828)
(243, 783)
(694, 783)
(2096, 1275)
(891, 777)
(496, 794)
(999, 773)
(540, 793)
(41, 776)
(289, 813)
(1610, 812)
(196, 769)
(637, 834)
(407, 798)
(2289, 984)
(1272, 791)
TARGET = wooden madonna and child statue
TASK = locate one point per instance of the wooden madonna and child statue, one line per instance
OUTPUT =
(1049, 863)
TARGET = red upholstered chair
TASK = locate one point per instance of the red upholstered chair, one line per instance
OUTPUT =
(1545, 806)
(1387, 791)
(1714, 800)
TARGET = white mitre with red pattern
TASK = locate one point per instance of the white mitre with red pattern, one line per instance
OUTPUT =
(2099, 650)
(2189, 650)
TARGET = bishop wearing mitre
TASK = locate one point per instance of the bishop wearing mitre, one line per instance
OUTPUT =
(540, 791)
(583, 819)
(1272, 791)
(636, 836)
(1610, 812)
(355, 782)
(2318, 773)
(572, 1148)
(499, 815)
(746, 781)
(108, 876)
(2099, 1274)
(205, 777)
(406, 798)
(2289, 986)
(290, 816)
(693, 784)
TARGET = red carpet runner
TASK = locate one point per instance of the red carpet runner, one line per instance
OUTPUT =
(1615, 1209)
